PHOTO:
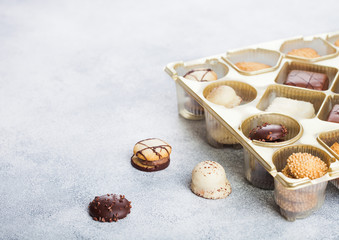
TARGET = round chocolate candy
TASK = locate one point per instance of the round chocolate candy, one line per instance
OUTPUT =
(109, 207)
(268, 133)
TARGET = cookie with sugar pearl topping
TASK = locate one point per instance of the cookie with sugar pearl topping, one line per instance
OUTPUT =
(303, 165)
(151, 155)
(201, 75)
(109, 208)
(209, 181)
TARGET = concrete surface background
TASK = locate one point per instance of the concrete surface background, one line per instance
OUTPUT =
(82, 81)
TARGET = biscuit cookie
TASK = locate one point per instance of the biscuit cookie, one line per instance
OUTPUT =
(201, 75)
(336, 43)
(251, 66)
(151, 154)
(304, 52)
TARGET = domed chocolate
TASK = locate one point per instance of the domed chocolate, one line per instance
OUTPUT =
(109, 207)
(268, 133)
(209, 181)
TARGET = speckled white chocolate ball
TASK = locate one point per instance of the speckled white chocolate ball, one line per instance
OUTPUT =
(209, 181)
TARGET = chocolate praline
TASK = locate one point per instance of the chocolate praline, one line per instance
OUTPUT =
(109, 208)
(306, 79)
(268, 133)
(334, 114)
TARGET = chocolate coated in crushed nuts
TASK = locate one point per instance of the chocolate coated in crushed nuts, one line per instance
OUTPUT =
(268, 133)
(109, 207)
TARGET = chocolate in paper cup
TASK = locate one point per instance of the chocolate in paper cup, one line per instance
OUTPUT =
(325, 110)
(256, 174)
(322, 47)
(280, 156)
(294, 128)
(258, 55)
(243, 90)
(187, 106)
(303, 66)
(217, 134)
(301, 94)
(298, 202)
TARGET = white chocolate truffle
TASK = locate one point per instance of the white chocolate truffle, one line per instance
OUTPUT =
(224, 95)
(209, 181)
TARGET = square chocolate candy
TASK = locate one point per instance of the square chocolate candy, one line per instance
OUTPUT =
(306, 79)
(334, 114)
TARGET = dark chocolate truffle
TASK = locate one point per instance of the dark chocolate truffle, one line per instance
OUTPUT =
(305, 79)
(109, 207)
(334, 114)
(268, 133)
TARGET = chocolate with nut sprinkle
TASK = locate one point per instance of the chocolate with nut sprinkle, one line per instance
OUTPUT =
(268, 133)
(109, 208)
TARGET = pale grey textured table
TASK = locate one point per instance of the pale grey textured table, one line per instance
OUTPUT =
(82, 81)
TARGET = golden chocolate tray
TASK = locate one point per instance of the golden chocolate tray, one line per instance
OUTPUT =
(264, 85)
